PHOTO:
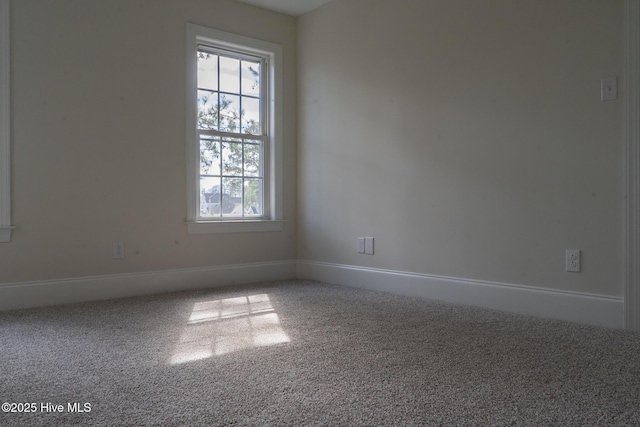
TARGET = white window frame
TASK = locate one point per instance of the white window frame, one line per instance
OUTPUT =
(272, 220)
(5, 134)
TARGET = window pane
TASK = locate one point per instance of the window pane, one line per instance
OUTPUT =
(232, 196)
(232, 158)
(229, 113)
(253, 197)
(207, 71)
(207, 110)
(209, 155)
(251, 159)
(251, 115)
(250, 78)
(229, 75)
(209, 197)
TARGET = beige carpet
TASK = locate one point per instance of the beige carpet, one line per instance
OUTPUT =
(304, 353)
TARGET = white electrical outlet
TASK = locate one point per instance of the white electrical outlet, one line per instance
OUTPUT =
(573, 260)
(361, 245)
(118, 250)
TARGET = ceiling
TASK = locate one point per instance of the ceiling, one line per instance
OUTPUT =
(290, 7)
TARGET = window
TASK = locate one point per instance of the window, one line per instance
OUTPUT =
(5, 175)
(233, 133)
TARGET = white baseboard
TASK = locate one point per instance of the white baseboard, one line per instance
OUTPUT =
(575, 307)
(64, 291)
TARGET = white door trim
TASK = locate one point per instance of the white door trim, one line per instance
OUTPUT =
(632, 164)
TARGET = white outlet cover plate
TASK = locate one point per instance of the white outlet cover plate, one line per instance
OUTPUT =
(118, 250)
(573, 260)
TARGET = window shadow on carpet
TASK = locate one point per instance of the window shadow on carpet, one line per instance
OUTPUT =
(217, 327)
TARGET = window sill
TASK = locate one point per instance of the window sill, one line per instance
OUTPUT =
(248, 226)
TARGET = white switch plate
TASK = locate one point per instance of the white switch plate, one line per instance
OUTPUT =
(368, 245)
(573, 260)
(361, 245)
(609, 89)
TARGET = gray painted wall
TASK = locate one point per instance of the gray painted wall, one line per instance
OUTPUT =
(98, 144)
(468, 137)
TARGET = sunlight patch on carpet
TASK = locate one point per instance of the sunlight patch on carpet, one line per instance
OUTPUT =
(222, 326)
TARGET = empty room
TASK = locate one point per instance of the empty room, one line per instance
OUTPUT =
(319, 212)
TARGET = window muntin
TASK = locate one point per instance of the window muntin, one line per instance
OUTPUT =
(231, 128)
